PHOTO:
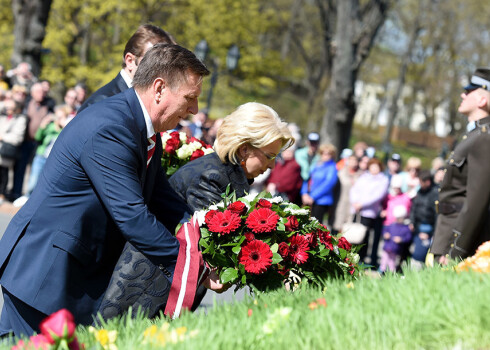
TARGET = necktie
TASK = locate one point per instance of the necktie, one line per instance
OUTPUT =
(151, 148)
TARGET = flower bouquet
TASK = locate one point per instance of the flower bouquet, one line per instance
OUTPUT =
(263, 241)
(178, 149)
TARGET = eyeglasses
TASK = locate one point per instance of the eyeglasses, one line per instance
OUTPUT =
(268, 156)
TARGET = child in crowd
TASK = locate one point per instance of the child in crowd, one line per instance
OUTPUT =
(395, 197)
(396, 236)
(423, 218)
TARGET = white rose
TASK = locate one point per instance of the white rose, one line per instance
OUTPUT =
(184, 152)
(183, 137)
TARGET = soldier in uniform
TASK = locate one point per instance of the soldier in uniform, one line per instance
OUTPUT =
(463, 222)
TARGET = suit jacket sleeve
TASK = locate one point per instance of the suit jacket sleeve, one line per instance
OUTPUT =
(169, 208)
(111, 158)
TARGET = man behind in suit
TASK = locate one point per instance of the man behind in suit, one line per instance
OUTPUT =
(102, 185)
(144, 38)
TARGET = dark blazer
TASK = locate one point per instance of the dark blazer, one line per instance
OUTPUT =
(202, 181)
(112, 88)
(95, 192)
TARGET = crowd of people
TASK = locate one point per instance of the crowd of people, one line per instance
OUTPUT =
(395, 203)
(103, 199)
(30, 121)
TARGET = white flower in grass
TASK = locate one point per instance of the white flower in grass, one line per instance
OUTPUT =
(276, 319)
(184, 152)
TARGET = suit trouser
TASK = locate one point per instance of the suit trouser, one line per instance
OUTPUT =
(18, 317)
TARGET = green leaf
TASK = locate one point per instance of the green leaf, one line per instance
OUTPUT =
(275, 247)
(236, 249)
(228, 275)
(276, 258)
(325, 252)
(244, 279)
(280, 226)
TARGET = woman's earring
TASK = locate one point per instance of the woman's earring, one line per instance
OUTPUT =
(242, 163)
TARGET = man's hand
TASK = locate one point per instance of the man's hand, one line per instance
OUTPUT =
(213, 283)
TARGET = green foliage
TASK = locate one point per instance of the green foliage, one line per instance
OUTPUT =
(430, 309)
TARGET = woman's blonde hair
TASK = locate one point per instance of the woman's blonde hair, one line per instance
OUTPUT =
(327, 147)
(253, 123)
(413, 162)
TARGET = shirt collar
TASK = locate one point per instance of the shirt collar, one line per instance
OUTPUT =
(149, 126)
(127, 78)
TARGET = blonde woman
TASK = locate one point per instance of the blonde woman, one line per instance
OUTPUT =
(246, 146)
(410, 177)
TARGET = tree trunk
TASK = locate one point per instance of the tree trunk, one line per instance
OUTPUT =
(355, 32)
(401, 81)
(30, 19)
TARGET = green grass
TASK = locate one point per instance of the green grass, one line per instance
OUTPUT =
(430, 309)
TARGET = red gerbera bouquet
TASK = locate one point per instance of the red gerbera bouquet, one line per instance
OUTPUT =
(178, 149)
(262, 241)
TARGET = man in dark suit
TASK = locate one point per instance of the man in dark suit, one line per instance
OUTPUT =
(102, 185)
(144, 38)
(464, 198)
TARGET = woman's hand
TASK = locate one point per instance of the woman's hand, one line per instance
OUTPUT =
(213, 283)
(307, 199)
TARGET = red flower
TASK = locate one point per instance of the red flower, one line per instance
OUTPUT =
(238, 207)
(283, 249)
(38, 341)
(224, 222)
(249, 236)
(292, 224)
(297, 249)
(172, 145)
(263, 203)
(256, 256)
(175, 135)
(311, 238)
(283, 270)
(326, 239)
(209, 215)
(344, 243)
(262, 220)
(198, 153)
(58, 325)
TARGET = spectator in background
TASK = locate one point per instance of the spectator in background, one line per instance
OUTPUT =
(317, 192)
(308, 156)
(210, 136)
(143, 39)
(439, 176)
(81, 91)
(12, 130)
(198, 122)
(410, 176)
(393, 166)
(363, 163)
(359, 149)
(396, 236)
(46, 135)
(22, 75)
(367, 196)
(436, 164)
(395, 198)
(36, 110)
(71, 102)
(346, 153)
(50, 102)
(423, 218)
(19, 95)
(285, 179)
(348, 176)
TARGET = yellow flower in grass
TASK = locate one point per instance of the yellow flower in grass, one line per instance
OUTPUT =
(107, 339)
(163, 335)
(480, 262)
